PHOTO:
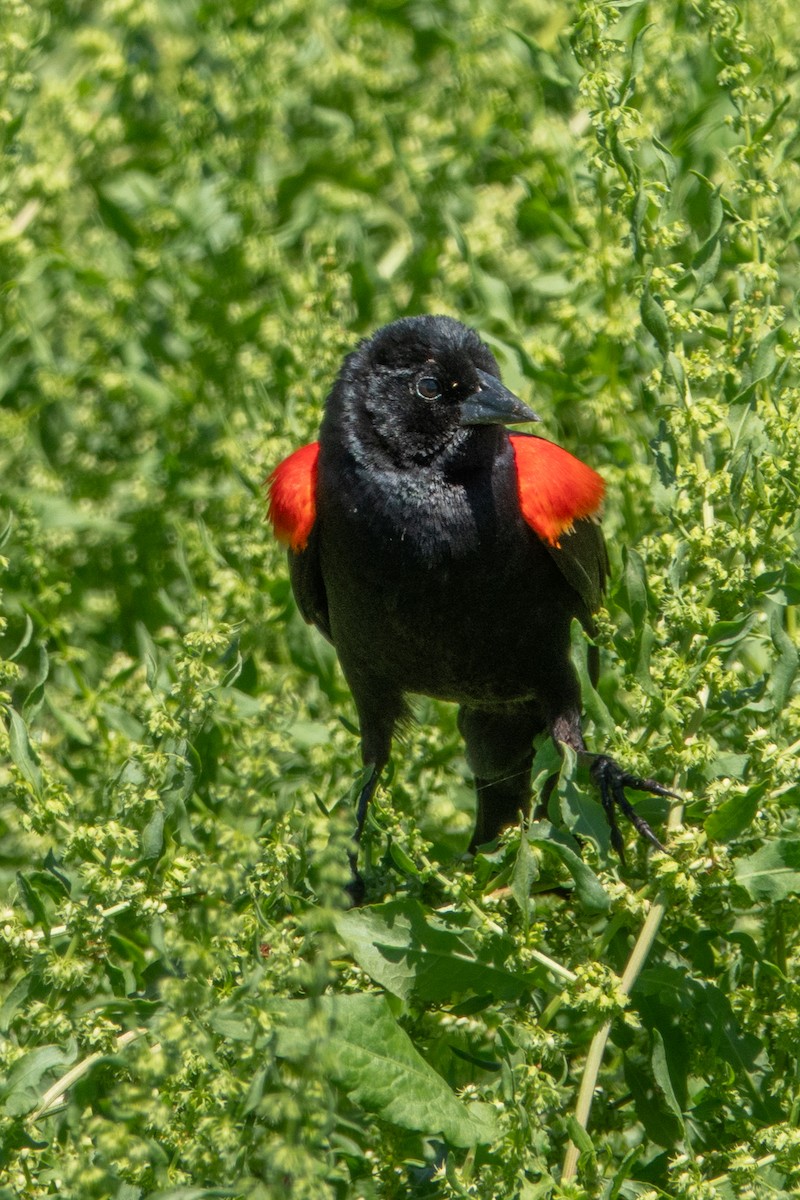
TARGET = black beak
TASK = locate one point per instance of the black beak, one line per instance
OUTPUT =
(494, 404)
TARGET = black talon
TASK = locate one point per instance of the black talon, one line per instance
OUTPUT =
(612, 781)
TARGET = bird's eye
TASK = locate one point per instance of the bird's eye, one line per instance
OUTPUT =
(428, 387)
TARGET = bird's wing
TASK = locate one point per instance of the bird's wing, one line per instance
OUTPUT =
(582, 558)
(559, 497)
(292, 512)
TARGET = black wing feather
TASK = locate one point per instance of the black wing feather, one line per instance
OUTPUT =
(305, 572)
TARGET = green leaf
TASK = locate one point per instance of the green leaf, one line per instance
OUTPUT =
(638, 217)
(13, 1000)
(524, 874)
(25, 1084)
(773, 872)
(25, 639)
(732, 817)
(410, 954)
(403, 861)
(658, 1061)
(666, 158)
(33, 901)
(635, 587)
(785, 669)
(579, 1136)
(782, 586)
(70, 723)
(35, 697)
(761, 367)
(705, 264)
(22, 753)
(652, 1107)
(588, 887)
(655, 321)
(361, 1047)
(152, 841)
(665, 451)
(729, 633)
(192, 1193)
(309, 733)
(676, 370)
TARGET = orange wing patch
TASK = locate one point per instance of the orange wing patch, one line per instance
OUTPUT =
(555, 489)
(292, 490)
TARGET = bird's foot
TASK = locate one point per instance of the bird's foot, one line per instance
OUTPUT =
(612, 780)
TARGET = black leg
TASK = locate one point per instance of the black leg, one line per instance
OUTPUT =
(356, 888)
(499, 744)
(378, 711)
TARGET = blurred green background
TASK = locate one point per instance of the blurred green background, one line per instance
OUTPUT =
(202, 207)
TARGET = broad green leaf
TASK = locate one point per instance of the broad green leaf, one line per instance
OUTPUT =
(773, 872)
(190, 1193)
(732, 817)
(361, 1047)
(25, 1084)
(652, 1108)
(33, 901)
(411, 954)
(665, 452)
(678, 373)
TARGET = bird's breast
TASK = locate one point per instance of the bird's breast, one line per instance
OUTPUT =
(439, 586)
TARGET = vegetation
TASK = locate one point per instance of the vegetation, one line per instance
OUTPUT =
(202, 207)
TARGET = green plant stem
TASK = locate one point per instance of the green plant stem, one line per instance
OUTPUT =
(477, 911)
(766, 1161)
(594, 1058)
(54, 1095)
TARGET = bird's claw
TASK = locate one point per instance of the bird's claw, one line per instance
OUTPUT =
(612, 780)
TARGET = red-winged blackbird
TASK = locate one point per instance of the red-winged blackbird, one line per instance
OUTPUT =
(442, 556)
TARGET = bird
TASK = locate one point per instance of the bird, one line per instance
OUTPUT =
(443, 555)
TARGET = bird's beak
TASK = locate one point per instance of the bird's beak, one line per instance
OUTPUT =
(494, 404)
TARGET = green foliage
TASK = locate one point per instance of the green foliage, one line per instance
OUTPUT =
(202, 207)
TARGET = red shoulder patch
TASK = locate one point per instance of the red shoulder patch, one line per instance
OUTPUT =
(555, 489)
(292, 491)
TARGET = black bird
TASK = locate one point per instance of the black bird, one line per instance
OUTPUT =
(445, 557)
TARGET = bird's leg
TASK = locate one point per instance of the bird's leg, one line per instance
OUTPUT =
(364, 797)
(378, 713)
(499, 745)
(356, 888)
(611, 780)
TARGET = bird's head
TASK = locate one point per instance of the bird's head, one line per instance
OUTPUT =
(423, 389)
